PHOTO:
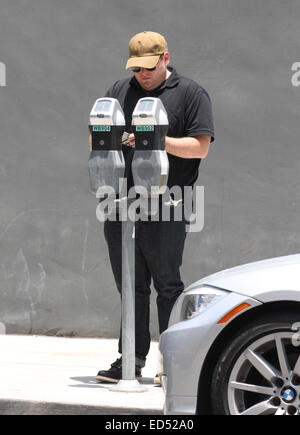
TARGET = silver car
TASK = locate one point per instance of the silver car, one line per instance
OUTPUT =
(233, 343)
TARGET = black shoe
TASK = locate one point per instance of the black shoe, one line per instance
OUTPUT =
(114, 374)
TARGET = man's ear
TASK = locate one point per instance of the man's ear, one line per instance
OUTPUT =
(167, 57)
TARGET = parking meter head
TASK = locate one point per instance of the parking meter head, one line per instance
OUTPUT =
(150, 124)
(150, 165)
(106, 162)
(107, 124)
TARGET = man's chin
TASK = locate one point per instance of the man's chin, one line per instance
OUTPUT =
(147, 85)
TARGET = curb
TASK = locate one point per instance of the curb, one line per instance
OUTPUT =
(20, 407)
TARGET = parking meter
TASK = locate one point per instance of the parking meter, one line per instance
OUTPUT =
(106, 163)
(150, 164)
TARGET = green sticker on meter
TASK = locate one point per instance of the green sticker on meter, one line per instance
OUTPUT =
(145, 128)
(101, 128)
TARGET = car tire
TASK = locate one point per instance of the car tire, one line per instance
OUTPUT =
(242, 381)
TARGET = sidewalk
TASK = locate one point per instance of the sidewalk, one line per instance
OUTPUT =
(50, 375)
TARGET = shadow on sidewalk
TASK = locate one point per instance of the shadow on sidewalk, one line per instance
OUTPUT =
(90, 382)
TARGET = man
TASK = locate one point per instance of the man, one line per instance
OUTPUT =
(159, 245)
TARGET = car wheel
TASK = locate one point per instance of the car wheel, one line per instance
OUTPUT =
(259, 371)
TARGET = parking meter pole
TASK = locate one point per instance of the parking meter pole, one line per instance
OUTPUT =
(128, 301)
(128, 383)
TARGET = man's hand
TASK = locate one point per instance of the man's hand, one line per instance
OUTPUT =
(128, 140)
(90, 141)
(131, 140)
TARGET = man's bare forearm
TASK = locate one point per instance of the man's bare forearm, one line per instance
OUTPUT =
(185, 147)
(188, 147)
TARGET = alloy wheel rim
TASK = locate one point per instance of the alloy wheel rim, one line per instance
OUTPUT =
(265, 379)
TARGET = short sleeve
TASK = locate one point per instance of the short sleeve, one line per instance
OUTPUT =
(198, 112)
(112, 91)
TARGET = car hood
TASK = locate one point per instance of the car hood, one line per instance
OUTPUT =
(268, 280)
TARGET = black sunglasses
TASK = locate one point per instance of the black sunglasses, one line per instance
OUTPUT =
(137, 70)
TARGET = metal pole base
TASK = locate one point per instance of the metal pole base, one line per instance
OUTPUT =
(124, 386)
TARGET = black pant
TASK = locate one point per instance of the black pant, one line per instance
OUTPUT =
(158, 255)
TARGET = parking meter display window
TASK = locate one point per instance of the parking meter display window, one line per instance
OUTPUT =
(150, 137)
(146, 106)
(103, 106)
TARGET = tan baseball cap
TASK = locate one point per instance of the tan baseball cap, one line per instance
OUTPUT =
(145, 49)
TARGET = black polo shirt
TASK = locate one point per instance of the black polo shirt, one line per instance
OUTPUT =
(189, 112)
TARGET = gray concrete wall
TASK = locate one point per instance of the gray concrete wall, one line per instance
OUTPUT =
(55, 274)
